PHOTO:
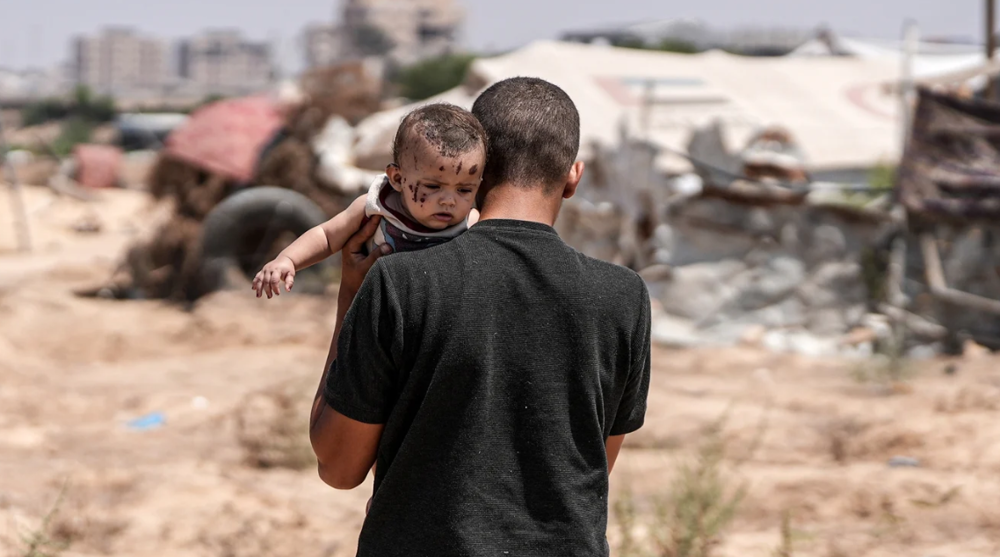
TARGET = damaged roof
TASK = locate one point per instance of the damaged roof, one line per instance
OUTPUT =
(834, 107)
(951, 169)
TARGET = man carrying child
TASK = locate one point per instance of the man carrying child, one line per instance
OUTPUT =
(490, 379)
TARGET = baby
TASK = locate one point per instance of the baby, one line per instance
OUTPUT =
(426, 196)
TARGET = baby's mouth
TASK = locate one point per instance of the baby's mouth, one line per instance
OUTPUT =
(442, 217)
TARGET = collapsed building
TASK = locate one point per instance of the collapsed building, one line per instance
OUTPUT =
(243, 177)
(740, 189)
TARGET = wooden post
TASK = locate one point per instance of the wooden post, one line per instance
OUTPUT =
(911, 39)
(16, 197)
(939, 287)
(990, 92)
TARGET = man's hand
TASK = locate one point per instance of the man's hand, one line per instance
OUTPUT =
(354, 263)
(268, 280)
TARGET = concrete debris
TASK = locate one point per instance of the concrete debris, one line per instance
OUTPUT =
(806, 344)
(773, 154)
(334, 149)
(675, 332)
(20, 157)
(923, 352)
(772, 261)
(88, 224)
(307, 151)
(782, 277)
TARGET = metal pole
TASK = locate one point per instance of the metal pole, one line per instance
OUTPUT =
(990, 92)
(910, 45)
(16, 199)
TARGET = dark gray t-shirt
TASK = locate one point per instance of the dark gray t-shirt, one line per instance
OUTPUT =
(499, 363)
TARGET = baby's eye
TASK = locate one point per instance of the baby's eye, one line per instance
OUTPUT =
(432, 186)
(465, 191)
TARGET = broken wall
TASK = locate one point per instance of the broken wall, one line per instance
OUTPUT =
(719, 269)
(715, 268)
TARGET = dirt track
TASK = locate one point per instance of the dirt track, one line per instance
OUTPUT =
(233, 379)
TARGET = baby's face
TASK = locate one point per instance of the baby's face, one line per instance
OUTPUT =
(437, 191)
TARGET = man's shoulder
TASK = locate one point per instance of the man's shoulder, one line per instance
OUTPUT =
(621, 278)
(417, 263)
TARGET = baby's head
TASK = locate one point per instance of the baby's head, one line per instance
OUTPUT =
(438, 159)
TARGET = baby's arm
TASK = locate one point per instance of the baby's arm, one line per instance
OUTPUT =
(324, 240)
(315, 245)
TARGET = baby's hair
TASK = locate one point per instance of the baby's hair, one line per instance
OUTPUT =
(449, 128)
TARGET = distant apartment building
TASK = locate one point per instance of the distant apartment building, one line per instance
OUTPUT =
(23, 85)
(411, 29)
(119, 62)
(224, 63)
(400, 31)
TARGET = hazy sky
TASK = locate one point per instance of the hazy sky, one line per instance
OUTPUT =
(36, 32)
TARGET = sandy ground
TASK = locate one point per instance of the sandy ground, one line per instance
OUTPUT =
(229, 472)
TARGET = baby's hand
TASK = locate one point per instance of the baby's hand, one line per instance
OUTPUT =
(269, 279)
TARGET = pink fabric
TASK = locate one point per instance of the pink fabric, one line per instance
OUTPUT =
(97, 166)
(226, 137)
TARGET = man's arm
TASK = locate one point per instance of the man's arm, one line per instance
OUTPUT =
(613, 446)
(346, 449)
(632, 406)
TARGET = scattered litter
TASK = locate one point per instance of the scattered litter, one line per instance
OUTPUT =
(903, 462)
(89, 224)
(147, 422)
(235, 144)
(97, 166)
(675, 332)
(800, 342)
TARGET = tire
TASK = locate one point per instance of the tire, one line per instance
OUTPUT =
(245, 228)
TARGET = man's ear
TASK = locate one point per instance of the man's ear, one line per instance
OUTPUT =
(573, 179)
(395, 176)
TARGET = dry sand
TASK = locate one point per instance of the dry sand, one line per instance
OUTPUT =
(229, 472)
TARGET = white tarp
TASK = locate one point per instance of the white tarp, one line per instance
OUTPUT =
(833, 106)
(930, 60)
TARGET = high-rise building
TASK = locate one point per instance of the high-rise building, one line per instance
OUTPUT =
(397, 31)
(405, 30)
(119, 62)
(222, 62)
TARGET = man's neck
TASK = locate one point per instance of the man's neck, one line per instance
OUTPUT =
(514, 203)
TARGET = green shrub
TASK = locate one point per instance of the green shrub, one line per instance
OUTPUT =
(433, 76)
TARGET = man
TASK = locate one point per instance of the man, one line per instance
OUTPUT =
(492, 379)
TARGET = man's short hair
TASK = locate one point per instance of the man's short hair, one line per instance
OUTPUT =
(450, 129)
(532, 130)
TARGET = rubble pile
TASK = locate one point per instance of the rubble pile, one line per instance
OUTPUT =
(731, 259)
(720, 270)
(748, 247)
(169, 264)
